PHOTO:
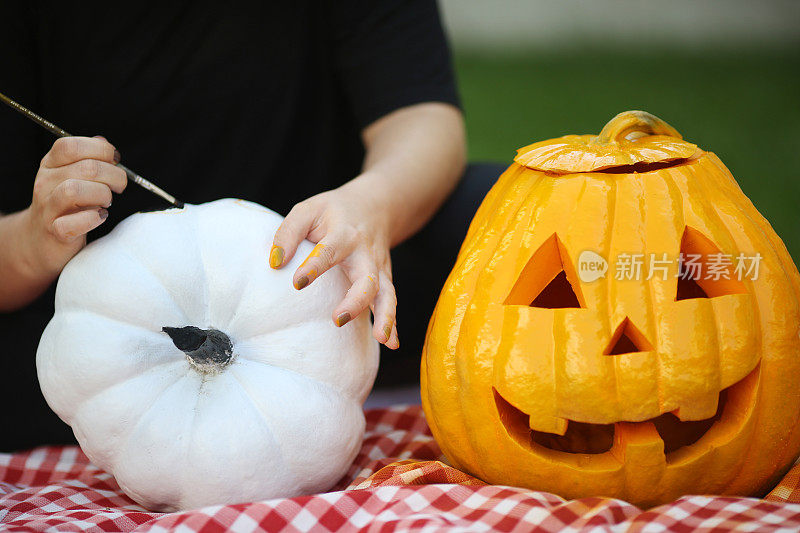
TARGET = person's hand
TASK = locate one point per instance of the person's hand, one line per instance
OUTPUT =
(71, 195)
(349, 231)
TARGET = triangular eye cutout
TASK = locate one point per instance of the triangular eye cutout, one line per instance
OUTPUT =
(688, 288)
(558, 293)
(548, 280)
(627, 339)
(700, 259)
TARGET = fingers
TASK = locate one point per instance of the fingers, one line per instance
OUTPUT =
(69, 227)
(90, 170)
(335, 223)
(294, 228)
(68, 150)
(57, 184)
(73, 195)
(72, 191)
(393, 343)
(361, 293)
(378, 290)
(327, 253)
(384, 310)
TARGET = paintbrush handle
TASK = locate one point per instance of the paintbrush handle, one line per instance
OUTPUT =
(49, 126)
(46, 124)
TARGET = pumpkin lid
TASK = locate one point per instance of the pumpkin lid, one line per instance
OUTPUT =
(629, 138)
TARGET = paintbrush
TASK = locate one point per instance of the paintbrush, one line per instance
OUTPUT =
(132, 176)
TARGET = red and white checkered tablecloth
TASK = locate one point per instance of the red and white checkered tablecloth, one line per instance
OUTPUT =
(397, 482)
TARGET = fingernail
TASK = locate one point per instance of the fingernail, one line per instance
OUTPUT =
(276, 257)
(343, 319)
(387, 329)
(103, 213)
(302, 282)
(117, 156)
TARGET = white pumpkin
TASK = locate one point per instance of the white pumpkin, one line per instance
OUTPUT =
(264, 400)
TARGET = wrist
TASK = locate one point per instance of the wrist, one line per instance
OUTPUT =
(27, 247)
(25, 275)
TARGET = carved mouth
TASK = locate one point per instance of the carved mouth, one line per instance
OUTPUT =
(587, 438)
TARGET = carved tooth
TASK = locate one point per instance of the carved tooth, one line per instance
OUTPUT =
(637, 436)
(639, 447)
(698, 409)
(550, 424)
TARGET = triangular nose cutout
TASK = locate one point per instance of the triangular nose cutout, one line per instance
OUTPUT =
(627, 339)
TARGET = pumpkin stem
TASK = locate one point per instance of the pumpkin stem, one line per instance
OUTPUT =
(629, 122)
(208, 350)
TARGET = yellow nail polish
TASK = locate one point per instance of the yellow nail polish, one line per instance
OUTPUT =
(276, 257)
(312, 275)
(343, 319)
(302, 282)
(387, 329)
(314, 253)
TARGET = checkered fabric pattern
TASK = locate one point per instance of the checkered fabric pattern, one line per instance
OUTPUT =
(397, 482)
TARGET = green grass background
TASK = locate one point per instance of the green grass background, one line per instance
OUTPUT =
(742, 105)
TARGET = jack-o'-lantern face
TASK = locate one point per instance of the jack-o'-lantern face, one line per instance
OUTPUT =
(620, 322)
(630, 386)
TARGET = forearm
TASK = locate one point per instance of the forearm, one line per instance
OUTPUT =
(21, 281)
(415, 157)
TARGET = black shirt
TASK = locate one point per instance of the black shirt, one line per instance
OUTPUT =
(257, 100)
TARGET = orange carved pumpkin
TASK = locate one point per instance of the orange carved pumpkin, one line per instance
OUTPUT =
(551, 363)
